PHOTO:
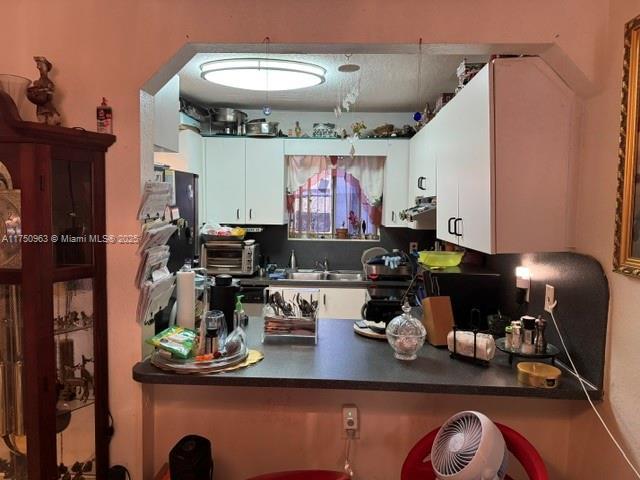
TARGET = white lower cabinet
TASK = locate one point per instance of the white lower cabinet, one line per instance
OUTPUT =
(342, 303)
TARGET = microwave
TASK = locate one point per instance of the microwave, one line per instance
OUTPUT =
(230, 256)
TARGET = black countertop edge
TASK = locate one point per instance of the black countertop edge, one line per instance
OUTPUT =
(144, 372)
(260, 281)
(344, 360)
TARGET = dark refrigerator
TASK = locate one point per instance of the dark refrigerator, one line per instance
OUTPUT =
(183, 244)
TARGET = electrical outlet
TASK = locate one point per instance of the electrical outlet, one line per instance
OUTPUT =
(413, 246)
(549, 298)
(350, 421)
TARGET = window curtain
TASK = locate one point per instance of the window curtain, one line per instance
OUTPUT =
(369, 171)
(302, 167)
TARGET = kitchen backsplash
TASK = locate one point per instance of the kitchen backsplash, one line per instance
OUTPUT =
(582, 293)
(342, 255)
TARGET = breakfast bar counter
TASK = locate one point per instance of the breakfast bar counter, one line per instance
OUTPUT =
(344, 360)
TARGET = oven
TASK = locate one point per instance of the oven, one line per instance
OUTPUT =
(230, 256)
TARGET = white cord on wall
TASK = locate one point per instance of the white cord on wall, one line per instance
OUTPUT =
(575, 371)
(347, 453)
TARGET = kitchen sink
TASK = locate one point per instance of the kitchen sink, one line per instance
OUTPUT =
(306, 276)
(345, 276)
(336, 275)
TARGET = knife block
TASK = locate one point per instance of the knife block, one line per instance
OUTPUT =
(437, 318)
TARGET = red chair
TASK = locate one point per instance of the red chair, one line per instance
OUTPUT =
(303, 475)
(416, 468)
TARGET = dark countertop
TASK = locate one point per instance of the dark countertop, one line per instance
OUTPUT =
(265, 282)
(344, 360)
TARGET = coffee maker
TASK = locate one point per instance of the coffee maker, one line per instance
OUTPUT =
(223, 297)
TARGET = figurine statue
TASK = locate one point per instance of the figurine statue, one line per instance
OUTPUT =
(41, 91)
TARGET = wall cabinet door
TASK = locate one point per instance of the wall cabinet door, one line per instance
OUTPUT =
(396, 177)
(166, 116)
(342, 303)
(225, 180)
(265, 182)
(475, 223)
(192, 150)
(422, 176)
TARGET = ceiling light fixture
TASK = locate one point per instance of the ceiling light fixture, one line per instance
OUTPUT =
(263, 74)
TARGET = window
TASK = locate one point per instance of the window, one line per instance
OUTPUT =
(335, 197)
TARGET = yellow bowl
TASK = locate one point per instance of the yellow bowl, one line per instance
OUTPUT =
(440, 259)
(537, 374)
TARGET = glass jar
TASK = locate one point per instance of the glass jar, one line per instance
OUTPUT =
(406, 334)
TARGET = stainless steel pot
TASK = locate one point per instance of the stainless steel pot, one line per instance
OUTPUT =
(260, 128)
(228, 115)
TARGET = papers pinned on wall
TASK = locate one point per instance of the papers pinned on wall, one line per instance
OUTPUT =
(154, 296)
(156, 196)
(153, 265)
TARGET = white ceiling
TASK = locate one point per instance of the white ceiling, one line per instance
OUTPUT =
(388, 82)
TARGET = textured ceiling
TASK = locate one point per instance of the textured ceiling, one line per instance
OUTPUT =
(388, 82)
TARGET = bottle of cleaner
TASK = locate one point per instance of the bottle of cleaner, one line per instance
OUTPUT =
(104, 117)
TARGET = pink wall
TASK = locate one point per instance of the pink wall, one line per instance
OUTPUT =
(112, 48)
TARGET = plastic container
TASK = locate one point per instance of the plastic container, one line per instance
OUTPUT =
(537, 374)
(440, 259)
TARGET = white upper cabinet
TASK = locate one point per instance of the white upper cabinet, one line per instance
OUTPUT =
(422, 165)
(396, 176)
(166, 116)
(225, 179)
(192, 150)
(504, 147)
(265, 182)
(245, 181)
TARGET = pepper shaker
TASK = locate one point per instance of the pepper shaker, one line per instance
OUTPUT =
(541, 339)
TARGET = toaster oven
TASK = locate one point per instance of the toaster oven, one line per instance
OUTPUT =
(230, 256)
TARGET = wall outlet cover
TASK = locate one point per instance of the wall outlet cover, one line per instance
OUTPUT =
(549, 298)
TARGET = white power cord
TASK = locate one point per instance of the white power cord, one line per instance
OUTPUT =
(575, 371)
(347, 453)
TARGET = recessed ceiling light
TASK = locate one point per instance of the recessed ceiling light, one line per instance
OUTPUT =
(263, 74)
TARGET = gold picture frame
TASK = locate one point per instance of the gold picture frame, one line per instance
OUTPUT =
(627, 238)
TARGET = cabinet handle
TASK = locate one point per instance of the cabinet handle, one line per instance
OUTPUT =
(237, 214)
(250, 213)
(324, 299)
(449, 227)
(393, 216)
(420, 185)
(455, 227)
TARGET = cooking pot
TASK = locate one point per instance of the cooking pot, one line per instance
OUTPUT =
(260, 128)
(228, 115)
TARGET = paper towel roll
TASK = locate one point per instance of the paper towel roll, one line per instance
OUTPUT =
(186, 295)
(485, 344)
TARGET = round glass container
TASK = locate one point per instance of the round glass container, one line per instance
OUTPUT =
(406, 334)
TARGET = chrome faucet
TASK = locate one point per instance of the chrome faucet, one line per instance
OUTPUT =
(324, 265)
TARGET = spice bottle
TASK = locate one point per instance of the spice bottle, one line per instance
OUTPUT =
(528, 334)
(516, 337)
(508, 337)
(104, 117)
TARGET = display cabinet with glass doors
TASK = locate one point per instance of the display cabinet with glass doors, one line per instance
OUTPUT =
(54, 417)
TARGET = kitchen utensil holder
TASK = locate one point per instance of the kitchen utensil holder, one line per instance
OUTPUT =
(311, 339)
(475, 360)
